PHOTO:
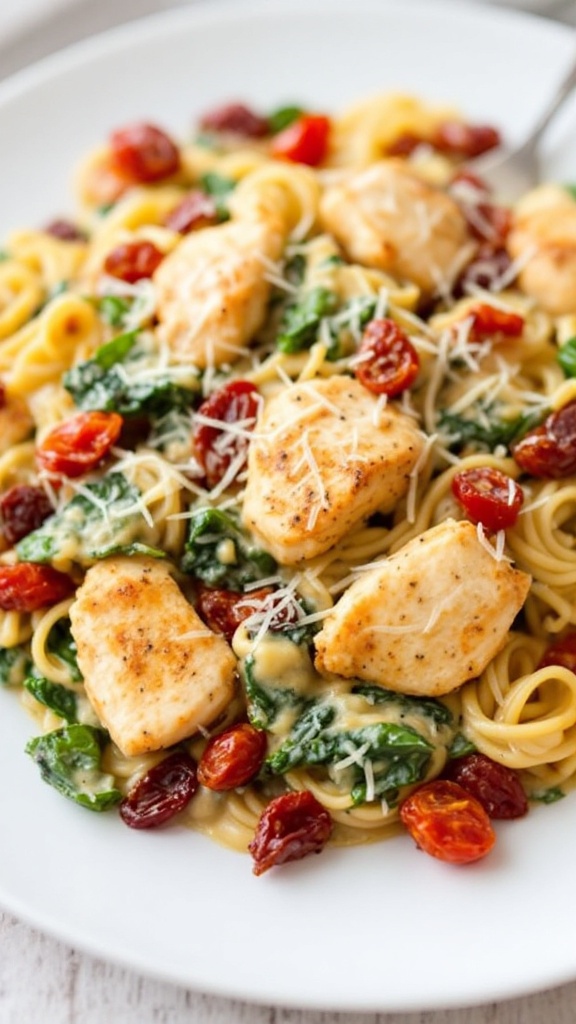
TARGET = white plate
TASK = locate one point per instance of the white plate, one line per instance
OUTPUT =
(377, 928)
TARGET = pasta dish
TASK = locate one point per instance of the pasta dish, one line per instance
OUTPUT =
(288, 482)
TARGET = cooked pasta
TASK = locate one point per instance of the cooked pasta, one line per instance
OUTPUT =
(288, 478)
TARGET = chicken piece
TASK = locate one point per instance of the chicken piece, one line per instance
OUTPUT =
(212, 290)
(153, 672)
(543, 239)
(323, 457)
(388, 217)
(16, 423)
(427, 619)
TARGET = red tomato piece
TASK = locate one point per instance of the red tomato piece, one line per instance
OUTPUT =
(561, 652)
(25, 586)
(216, 448)
(164, 791)
(65, 230)
(488, 321)
(488, 222)
(236, 118)
(405, 144)
(3, 396)
(143, 153)
(77, 445)
(387, 360)
(495, 786)
(487, 268)
(22, 509)
(458, 139)
(290, 827)
(232, 758)
(133, 261)
(196, 210)
(305, 141)
(447, 822)
(549, 450)
(224, 610)
(488, 496)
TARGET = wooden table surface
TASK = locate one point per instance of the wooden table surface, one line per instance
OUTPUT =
(43, 981)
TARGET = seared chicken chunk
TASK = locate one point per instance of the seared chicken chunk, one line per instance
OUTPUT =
(427, 619)
(543, 239)
(212, 290)
(153, 672)
(388, 217)
(323, 457)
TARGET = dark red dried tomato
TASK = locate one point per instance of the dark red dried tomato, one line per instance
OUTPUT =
(143, 153)
(196, 210)
(486, 270)
(405, 144)
(561, 652)
(236, 118)
(447, 822)
(22, 509)
(232, 758)
(215, 447)
(3, 395)
(65, 230)
(495, 786)
(164, 791)
(290, 827)
(25, 586)
(133, 261)
(488, 222)
(224, 610)
(77, 445)
(488, 496)
(549, 450)
(387, 360)
(458, 139)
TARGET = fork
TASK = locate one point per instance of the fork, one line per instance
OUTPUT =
(512, 172)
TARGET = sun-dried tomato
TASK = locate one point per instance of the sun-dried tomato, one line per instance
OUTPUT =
(232, 758)
(77, 445)
(495, 786)
(165, 790)
(235, 405)
(133, 261)
(196, 210)
(447, 822)
(22, 509)
(488, 496)
(458, 139)
(143, 153)
(290, 827)
(65, 230)
(562, 652)
(25, 586)
(224, 610)
(489, 322)
(305, 141)
(387, 361)
(236, 118)
(549, 450)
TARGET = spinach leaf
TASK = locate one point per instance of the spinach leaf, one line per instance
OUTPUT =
(265, 703)
(398, 754)
(488, 431)
(302, 317)
(566, 356)
(118, 379)
(62, 645)
(113, 309)
(211, 532)
(15, 664)
(59, 699)
(426, 706)
(69, 759)
(220, 188)
(97, 522)
(548, 796)
(282, 117)
(461, 746)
